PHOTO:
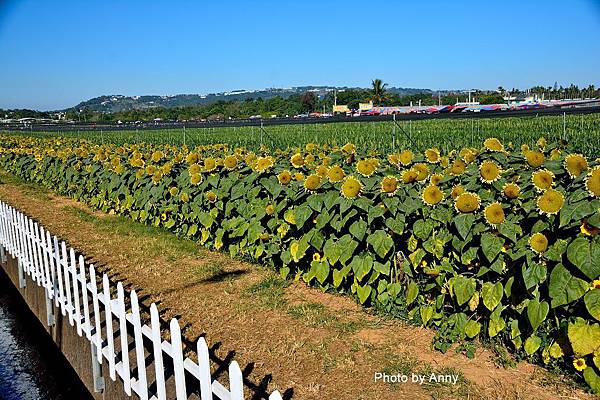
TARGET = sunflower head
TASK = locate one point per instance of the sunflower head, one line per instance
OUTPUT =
(263, 164)
(541, 142)
(535, 158)
(157, 156)
(349, 148)
(351, 187)
(299, 176)
(312, 183)
(550, 202)
(366, 167)
(192, 158)
(335, 174)
(173, 191)
(579, 364)
(393, 159)
(211, 196)
(592, 182)
(432, 155)
(284, 177)
(389, 185)
(493, 144)
(458, 167)
(489, 171)
(230, 162)
(297, 160)
(195, 179)
(321, 170)
(467, 202)
(409, 176)
(457, 190)
(542, 179)
(538, 242)
(422, 171)
(184, 197)
(210, 164)
(432, 195)
(468, 154)
(511, 190)
(494, 214)
(595, 284)
(194, 169)
(406, 157)
(269, 209)
(435, 179)
(575, 164)
(588, 230)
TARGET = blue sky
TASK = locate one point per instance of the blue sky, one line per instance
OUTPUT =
(54, 54)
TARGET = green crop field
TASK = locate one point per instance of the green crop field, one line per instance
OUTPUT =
(581, 131)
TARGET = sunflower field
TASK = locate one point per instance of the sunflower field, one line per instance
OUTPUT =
(494, 242)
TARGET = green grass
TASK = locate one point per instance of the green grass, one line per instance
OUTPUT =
(582, 131)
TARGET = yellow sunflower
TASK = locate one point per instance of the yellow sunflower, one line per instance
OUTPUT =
(230, 162)
(335, 174)
(284, 177)
(366, 167)
(489, 171)
(458, 167)
(312, 183)
(210, 164)
(467, 202)
(322, 170)
(555, 154)
(432, 155)
(349, 148)
(592, 182)
(195, 179)
(211, 196)
(550, 202)
(575, 164)
(157, 156)
(542, 179)
(579, 364)
(351, 187)
(393, 159)
(468, 155)
(409, 176)
(406, 157)
(192, 158)
(194, 169)
(297, 160)
(269, 209)
(588, 230)
(184, 197)
(494, 214)
(422, 171)
(389, 185)
(435, 179)
(173, 191)
(541, 142)
(538, 242)
(493, 144)
(535, 158)
(299, 176)
(432, 195)
(511, 190)
(263, 164)
(457, 190)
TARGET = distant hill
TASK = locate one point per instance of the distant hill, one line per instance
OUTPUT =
(116, 103)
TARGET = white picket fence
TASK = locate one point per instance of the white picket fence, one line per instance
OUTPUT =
(71, 285)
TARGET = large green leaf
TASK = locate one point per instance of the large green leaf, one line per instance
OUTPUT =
(492, 294)
(565, 288)
(363, 293)
(382, 242)
(423, 228)
(412, 291)
(584, 337)
(321, 271)
(463, 223)
(472, 328)
(537, 312)
(585, 255)
(575, 212)
(361, 265)
(358, 229)
(463, 288)
(532, 344)
(592, 379)
(491, 245)
(592, 303)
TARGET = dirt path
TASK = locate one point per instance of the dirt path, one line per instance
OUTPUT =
(307, 344)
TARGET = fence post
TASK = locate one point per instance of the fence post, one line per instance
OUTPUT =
(177, 353)
(96, 370)
(394, 135)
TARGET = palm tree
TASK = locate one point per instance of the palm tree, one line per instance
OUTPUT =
(378, 91)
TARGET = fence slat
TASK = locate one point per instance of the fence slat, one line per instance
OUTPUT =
(97, 321)
(204, 370)
(139, 347)
(179, 372)
(59, 299)
(66, 273)
(52, 264)
(236, 381)
(125, 374)
(84, 298)
(110, 340)
(158, 353)
(73, 270)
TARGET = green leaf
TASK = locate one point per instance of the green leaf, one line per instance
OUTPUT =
(585, 255)
(564, 288)
(426, 314)
(492, 294)
(532, 344)
(491, 245)
(463, 223)
(537, 312)
(557, 250)
(592, 303)
(575, 212)
(496, 324)
(584, 337)
(382, 242)
(358, 229)
(396, 224)
(534, 274)
(321, 271)
(363, 293)
(592, 379)
(472, 328)
(412, 291)
(332, 251)
(302, 215)
(463, 289)
(361, 265)
(422, 228)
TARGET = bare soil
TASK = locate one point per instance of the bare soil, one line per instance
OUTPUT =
(285, 335)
